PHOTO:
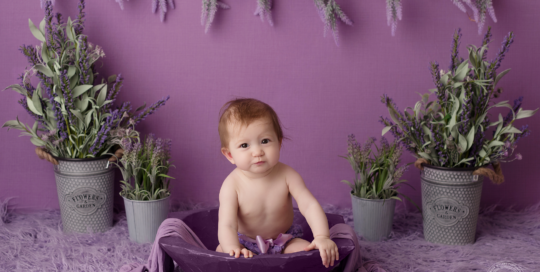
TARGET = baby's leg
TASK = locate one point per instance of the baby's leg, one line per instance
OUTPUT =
(295, 245)
(218, 249)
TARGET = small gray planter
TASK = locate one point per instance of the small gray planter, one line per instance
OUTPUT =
(450, 204)
(85, 192)
(145, 217)
(373, 218)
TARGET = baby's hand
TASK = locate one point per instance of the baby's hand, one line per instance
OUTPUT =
(244, 251)
(328, 249)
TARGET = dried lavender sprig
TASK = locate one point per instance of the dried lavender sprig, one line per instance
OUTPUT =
(505, 47)
(393, 13)
(68, 96)
(485, 42)
(84, 63)
(454, 58)
(79, 27)
(49, 30)
(116, 87)
(209, 9)
(150, 110)
(264, 9)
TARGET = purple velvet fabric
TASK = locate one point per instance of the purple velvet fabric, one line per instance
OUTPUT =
(157, 261)
(260, 246)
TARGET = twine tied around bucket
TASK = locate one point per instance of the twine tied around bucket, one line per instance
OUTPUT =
(44, 155)
(495, 175)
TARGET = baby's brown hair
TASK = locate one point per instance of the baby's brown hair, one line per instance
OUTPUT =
(245, 111)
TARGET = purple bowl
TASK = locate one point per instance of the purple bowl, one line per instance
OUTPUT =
(205, 224)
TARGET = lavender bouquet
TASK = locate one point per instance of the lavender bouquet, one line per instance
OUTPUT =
(144, 166)
(377, 175)
(73, 116)
(452, 131)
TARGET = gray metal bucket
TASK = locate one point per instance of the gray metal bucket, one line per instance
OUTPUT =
(450, 204)
(85, 192)
(145, 217)
(373, 218)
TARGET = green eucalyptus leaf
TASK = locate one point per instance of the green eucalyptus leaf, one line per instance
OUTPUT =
(499, 76)
(37, 103)
(495, 143)
(386, 129)
(510, 129)
(35, 31)
(81, 89)
(69, 30)
(44, 53)
(78, 114)
(13, 124)
(37, 141)
(44, 69)
(31, 106)
(95, 89)
(462, 143)
(42, 25)
(470, 137)
(71, 71)
(525, 113)
(17, 88)
(73, 81)
(102, 96)
(141, 107)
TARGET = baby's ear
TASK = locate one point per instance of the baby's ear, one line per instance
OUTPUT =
(225, 151)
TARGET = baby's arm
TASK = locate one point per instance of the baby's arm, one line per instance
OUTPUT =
(228, 221)
(315, 217)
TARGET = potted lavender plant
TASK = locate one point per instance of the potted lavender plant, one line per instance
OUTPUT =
(375, 188)
(454, 139)
(73, 118)
(145, 184)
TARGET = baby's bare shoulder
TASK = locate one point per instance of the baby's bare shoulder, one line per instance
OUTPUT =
(288, 171)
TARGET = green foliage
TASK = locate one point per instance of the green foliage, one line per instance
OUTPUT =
(377, 175)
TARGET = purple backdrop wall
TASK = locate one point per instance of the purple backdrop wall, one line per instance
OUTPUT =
(321, 92)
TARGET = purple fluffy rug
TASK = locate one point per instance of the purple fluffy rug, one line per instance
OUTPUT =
(507, 240)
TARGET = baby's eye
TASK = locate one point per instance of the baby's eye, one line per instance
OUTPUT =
(243, 145)
(265, 141)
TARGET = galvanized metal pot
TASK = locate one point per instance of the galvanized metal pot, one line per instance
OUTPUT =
(450, 204)
(373, 218)
(85, 192)
(145, 217)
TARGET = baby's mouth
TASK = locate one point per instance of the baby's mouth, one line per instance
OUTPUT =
(260, 162)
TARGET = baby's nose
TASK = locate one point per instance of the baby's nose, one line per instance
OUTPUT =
(258, 152)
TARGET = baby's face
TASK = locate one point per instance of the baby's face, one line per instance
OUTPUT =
(253, 149)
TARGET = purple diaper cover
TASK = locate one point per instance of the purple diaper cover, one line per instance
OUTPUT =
(270, 246)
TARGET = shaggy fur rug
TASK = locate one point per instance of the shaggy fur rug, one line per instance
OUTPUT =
(507, 240)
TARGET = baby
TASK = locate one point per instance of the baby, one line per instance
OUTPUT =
(256, 210)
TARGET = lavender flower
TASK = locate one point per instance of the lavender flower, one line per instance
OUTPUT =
(68, 95)
(510, 116)
(49, 35)
(116, 87)
(148, 111)
(43, 3)
(436, 75)
(519, 157)
(79, 27)
(31, 54)
(84, 63)
(102, 136)
(454, 58)
(393, 13)
(505, 47)
(485, 42)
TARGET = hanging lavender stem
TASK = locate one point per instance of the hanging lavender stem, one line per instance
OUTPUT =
(393, 13)
(162, 4)
(328, 11)
(479, 9)
(209, 9)
(264, 9)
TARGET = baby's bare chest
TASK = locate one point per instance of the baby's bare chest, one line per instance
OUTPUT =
(264, 199)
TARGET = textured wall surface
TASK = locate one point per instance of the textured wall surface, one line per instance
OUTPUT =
(321, 92)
